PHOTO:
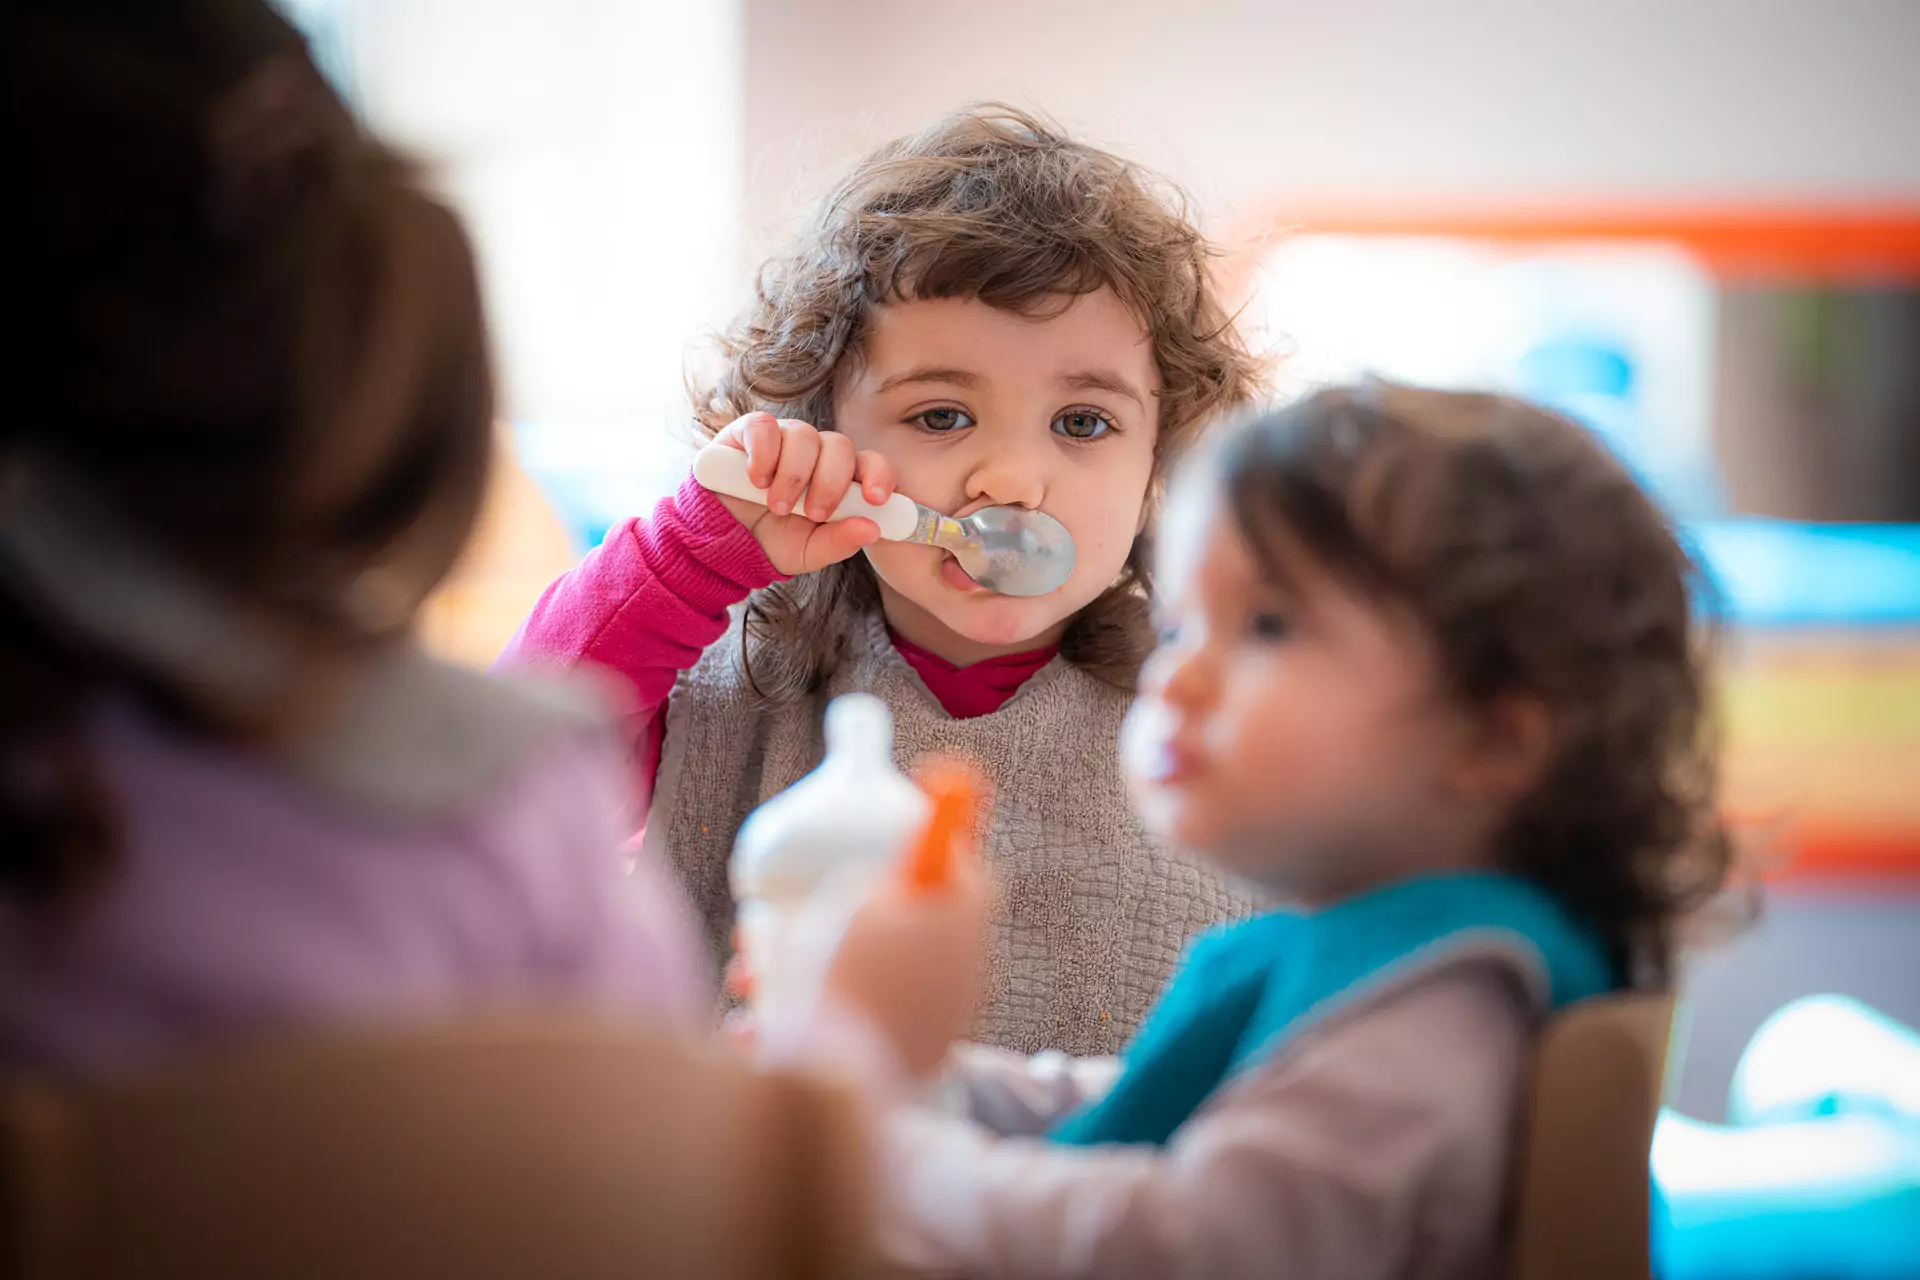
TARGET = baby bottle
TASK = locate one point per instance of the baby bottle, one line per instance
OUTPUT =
(804, 860)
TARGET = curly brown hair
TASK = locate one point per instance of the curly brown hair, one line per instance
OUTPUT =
(1539, 567)
(994, 204)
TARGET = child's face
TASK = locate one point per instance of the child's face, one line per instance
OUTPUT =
(979, 407)
(1295, 737)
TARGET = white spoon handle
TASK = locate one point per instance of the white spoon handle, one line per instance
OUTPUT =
(723, 469)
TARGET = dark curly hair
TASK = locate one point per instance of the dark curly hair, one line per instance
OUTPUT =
(994, 204)
(1538, 566)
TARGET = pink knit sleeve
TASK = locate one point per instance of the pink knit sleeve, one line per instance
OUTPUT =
(647, 602)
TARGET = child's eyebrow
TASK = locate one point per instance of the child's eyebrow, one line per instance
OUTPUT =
(1102, 380)
(951, 377)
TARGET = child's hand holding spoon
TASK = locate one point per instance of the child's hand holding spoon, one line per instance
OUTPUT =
(794, 487)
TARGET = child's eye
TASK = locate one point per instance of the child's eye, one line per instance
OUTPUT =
(1166, 632)
(943, 420)
(1082, 424)
(1267, 625)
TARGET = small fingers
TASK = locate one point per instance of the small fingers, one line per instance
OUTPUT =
(876, 476)
(759, 435)
(831, 475)
(832, 543)
(799, 452)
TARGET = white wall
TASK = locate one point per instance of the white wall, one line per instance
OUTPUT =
(1238, 101)
(595, 149)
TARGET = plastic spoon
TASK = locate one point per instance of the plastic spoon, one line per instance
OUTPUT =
(1011, 550)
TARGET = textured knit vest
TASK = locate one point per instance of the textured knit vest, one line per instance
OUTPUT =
(1094, 912)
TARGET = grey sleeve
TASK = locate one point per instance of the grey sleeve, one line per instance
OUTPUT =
(1376, 1146)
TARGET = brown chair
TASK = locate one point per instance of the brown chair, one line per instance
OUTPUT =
(544, 1148)
(1583, 1190)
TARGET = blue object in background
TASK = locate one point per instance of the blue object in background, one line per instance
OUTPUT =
(596, 474)
(1782, 573)
(1591, 381)
(1591, 378)
(1835, 1198)
(1558, 368)
(1769, 572)
(1827, 1055)
(1822, 1181)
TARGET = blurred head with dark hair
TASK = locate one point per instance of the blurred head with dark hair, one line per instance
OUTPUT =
(1412, 631)
(253, 374)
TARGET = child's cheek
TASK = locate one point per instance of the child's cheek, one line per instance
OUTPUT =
(1100, 551)
(1107, 550)
(1276, 754)
(1109, 522)
(894, 561)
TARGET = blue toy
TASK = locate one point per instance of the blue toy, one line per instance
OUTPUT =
(1818, 1176)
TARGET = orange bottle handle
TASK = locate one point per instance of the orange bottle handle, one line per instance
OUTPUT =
(737, 980)
(955, 792)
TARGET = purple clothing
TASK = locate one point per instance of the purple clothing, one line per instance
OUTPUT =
(247, 899)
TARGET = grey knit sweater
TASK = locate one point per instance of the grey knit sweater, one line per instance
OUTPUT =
(1094, 912)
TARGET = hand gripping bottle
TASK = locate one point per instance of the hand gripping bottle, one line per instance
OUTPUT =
(806, 859)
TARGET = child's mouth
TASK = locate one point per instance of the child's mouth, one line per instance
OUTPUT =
(954, 577)
(1155, 760)
(1154, 747)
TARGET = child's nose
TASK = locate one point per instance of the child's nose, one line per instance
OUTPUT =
(1006, 477)
(1182, 676)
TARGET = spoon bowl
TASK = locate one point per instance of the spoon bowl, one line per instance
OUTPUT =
(1011, 550)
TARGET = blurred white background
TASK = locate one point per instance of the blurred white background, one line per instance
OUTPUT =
(624, 162)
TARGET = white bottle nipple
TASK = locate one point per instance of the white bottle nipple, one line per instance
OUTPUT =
(859, 733)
